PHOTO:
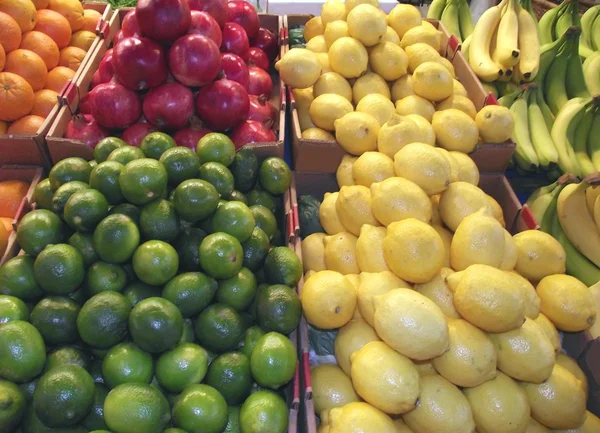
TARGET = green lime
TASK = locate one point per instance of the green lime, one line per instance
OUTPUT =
(64, 193)
(238, 291)
(155, 262)
(216, 147)
(28, 388)
(64, 396)
(181, 164)
(233, 420)
(273, 360)
(96, 370)
(219, 176)
(95, 419)
(127, 209)
(262, 198)
(105, 178)
(191, 292)
(264, 411)
(32, 424)
(238, 196)
(138, 291)
(181, 367)
(275, 176)
(265, 219)
(68, 170)
(67, 355)
(12, 406)
(195, 199)
(127, 363)
(12, 308)
(156, 143)
(84, 244)
(253, 334)
(230, 375)
(103, 276)
(105, 147)
(207, 224)
(200, 409)
(171, 430)
(59, 269)
(79, 296)
(155, 325)
(219, 328)
(38, 229)
(136, 408)
(187, 336)
(85, 209)
(102, 321)
(278, 309)
(188, 246)
(245, 169)
(56, 319)
(234, 218)
(116, 238)
(221, 255)
(143, 180)
(92, 163)
(42, 195)
(159, 220)
(256, 249)
(282, 266)
(125, 154)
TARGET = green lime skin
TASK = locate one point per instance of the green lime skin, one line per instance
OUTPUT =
(221, 255)
(68, 170)
(181, 164)
(125, 154)
(282, 266)
(64, 193)
(234, 218)
(245, 169)
(127, 209)
(219, 328)
(105, 147)
(17, 279)
(216, 147)
(105, 178)
(264, 411)
(187, 336)
(59, 269)
(181, 367)
(230, 375)
(233, 420)
(55, 318)
(262, 198)
(265, 220)
(64, 396)
(136, 408)
(138, 291)
(155, 325)
(155, 262)
(238, 291)
(273, 360)
(156, 143)
(102, 321)
(38, 229)
(188, 248)
(95, 418)
(43, 194)
(67, 355)
(200, 409)
(12, 308)
(278, 309)
(84, 244)
(12, 406)
(195, 199)
(256, 249)
(159, 221)
(127, 363)
(253, 334)
(103, 276)
(116, 238)
(219, 176)
(143, 181)
(85, 209)
(275, 176)
(238, 196)
(191, 292)
(28, 388)
(31, 423)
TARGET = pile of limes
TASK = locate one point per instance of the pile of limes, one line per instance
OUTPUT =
(152, 296)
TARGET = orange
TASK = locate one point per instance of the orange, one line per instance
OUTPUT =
(72, 10)
(23, 12)
(40, 4)
(43, 45)
(4, 234)
(16, 97)
(71, 57)
(83, 39)
(28, 65)
(3, 128)
(12, 193)
(58, 77)
(2, 58)
(10, 33)
(26, 125)
(7, 223)
(54, 25)
(45, 100)
(90, 18)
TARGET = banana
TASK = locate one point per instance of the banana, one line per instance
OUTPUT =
(549, 213)
(590, 197)
(593, 144)
(450, 19)
(509, 99)
(526, 4)
(563, 134)
(548, 53)
(591, 72)
(540, 134)
(465, 47)
(580, 144)
(565, 19)
(529, 45)
(578, 225)
(525, 155)
(479, 50)
(555, 88)
(595, 34)
(596, 212)
(539, 201)
(435, 9)
(546, 25)
(587, 20)
(507, 51)
(465, 19)
(546, 112)
(575, 80)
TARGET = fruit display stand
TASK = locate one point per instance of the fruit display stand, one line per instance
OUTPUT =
(325, 156)
(31, 175)
(61, 148)
(30, 149)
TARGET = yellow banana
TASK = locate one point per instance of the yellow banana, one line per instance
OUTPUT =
(479, 50)
(596, 213)
(529, 45)
(507, 42)
(590, 196)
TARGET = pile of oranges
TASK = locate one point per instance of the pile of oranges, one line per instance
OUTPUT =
(42, 44)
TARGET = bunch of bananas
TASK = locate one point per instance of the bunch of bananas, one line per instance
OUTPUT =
(455, 15)
(570, 212)
(555, 22)
(590, 28)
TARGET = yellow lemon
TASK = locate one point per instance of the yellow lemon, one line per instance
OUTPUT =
(459, 89)
(303, 97)
(422, 164)
(317, 134)
(396, 199)
(299, 68)
(357, 132)
(327, 108)
(334, 31)
(328, 215)
(461, 103)
(401, 427)
(331, 387)
(359, 417)
(343, 174)
(367, 23)
(539, 255)
(436, 218)
(309, 274)
(550, 331)
(313, 252)
(388, 60)
(369, 249)
(425, 127)
(351, 4)
(413, 250)
(570, 364)
(495, 123)
(536, 427)
(372, 167)
(460, 200)
(378, 106)
(424, 34)
(314, 27)
(304, 119)
(391, 36)
(328, 300)
(340, 253)
(591, 424)
(348, 57)
(532, 300)
(437, 290)
(324, 61)
(349, 339)
(510, 255)
(425, 368)
(372, 285)
(446, 238)
(454, 165)
(414, 104)
(496, 209)
(411, 324)
(432, 81)
(404, 17)
(402, 88)
(420, 53)
(448, 65)
(353, 207)
(367, 84)
(397, 133)
(393, 386)
(317, 44)
(332, 10)
(467, 170)
(332, 82)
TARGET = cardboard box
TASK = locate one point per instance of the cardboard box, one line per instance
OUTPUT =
(61, 148)
(325, 156)
(30, 149)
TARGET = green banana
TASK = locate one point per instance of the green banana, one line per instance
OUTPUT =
(539, 200)
(509, 99)
(580, 140)
(595, 34)
(565, 19)
(549, 213)
(587, 20)
(540, 134)
(435, 9)
(525, 155)
(450, 19)
(575, 80)
(546, 112)
(465, 48)
(548, 53)
(546, 25)
(555, 89)
(593, 144)
(591, 72)
(465, 19)
(563, 134)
